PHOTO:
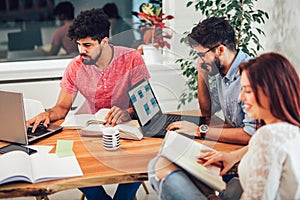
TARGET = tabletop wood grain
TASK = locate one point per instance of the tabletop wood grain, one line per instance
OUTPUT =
(99, 166)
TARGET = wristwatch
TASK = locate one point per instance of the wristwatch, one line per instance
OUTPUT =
(203, 129)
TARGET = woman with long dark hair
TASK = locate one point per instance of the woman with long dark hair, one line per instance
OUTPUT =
(269, 165)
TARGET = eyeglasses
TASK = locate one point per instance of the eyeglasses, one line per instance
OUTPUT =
(202, 54)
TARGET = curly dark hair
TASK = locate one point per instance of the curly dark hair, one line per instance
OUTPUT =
(211, 32)
(92, 23)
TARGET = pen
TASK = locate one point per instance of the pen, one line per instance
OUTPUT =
(220, 165)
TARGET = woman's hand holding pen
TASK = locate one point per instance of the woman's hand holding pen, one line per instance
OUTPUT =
(222, 159)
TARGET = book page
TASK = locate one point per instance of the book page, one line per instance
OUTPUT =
(15, 165)
(92, 130)
(130, 130)
(50, 167)
(184, 152)
(100, 115)
(77, 121)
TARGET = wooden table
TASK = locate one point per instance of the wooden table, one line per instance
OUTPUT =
(100, 167)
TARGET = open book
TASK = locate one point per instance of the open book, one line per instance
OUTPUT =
(19, 166)
(91, 125)
(184, 152)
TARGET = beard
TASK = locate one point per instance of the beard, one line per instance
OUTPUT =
(214, 67)
(88, 60)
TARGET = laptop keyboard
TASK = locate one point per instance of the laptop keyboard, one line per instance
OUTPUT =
(40, 130)
(165, 123)
(170, 119)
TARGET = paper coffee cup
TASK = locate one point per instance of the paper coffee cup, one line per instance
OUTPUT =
(111, 138)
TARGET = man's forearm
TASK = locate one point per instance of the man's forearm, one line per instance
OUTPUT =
(229, 135)
(57, 113)
(204, 94)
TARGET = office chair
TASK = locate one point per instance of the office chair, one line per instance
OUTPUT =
(22, 44)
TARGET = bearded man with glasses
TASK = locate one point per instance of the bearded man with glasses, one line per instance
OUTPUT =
(214, 41)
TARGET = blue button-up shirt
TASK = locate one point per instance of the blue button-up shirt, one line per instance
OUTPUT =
(225, 93)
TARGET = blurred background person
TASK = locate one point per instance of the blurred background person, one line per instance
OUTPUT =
(121, 32)
(64, 13)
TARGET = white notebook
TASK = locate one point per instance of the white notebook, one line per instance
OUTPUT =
(184, 152)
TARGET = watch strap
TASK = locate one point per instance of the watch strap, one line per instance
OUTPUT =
(202, 136)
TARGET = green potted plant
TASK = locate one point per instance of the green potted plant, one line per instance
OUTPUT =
(244, 19)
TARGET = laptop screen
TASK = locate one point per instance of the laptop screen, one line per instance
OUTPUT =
(144, 102)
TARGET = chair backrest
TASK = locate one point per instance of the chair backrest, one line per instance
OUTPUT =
(25, 40)
(32, 108)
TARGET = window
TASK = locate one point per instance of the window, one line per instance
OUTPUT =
(28, 25)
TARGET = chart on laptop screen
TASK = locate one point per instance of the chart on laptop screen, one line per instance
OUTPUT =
(144, 102)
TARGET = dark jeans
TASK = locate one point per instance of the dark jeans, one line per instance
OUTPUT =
(125, 191)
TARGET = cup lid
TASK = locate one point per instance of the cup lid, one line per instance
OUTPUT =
(110, 131)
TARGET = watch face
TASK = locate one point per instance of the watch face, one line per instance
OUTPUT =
(204, 128)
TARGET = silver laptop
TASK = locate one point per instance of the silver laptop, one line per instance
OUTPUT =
(13, 122)
(152, 121)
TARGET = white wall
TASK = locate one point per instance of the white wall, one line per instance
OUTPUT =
(38, 80)
(281, 29)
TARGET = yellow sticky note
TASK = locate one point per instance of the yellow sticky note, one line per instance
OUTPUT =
(64, 148)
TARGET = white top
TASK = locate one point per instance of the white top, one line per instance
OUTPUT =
(271, 167)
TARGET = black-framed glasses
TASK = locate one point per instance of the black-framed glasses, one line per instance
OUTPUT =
(202, 54)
